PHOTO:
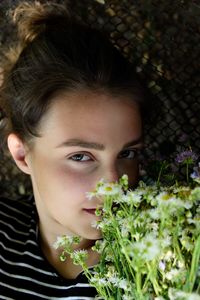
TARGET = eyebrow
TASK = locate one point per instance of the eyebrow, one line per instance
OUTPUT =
(92, 145)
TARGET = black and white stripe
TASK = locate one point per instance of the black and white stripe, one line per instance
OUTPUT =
(24, 271)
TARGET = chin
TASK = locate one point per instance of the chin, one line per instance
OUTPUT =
(95, 235)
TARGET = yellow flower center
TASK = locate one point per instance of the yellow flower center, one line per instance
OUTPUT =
(166, 197)
(108, 188)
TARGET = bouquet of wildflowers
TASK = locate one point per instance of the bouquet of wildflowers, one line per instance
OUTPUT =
(150, 246)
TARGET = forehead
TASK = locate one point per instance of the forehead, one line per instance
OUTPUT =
(87, 100)
(89, 112)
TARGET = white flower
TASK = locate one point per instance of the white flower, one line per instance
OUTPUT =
(59, 242)
(134, 198)
(125, 229)
(95, 224)
(79, 255)
(166, 241)
(65, 240)
(154, 213)
(180, 295)
(152, 248)
(186, 242)
(187, 204)
(154, 226)
(62, 241)
(108, 189)
(90, 195)
(123, 284)
(172, 274)
(104, 225)
(136, 236)
(148, 248)
(102, 281)
(122, 199)
(169, 256)
(180, 264)
(193, 296)
(114, 279)
(183, 189)
(80, 252)
(162, 265)
(127, 297)
(99, 246)
(165, 198)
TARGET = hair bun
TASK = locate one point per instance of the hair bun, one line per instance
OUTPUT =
(34, 18)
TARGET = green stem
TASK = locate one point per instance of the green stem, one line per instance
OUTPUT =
(138, 285)
(187, 172)
(176, 243)
(194, 267)
(159, 175)
(129, 262)
(152, 277)
(118, 238)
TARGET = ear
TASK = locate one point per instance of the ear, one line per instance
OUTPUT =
(18, 151)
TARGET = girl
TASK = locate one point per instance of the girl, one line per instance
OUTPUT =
(73, 108)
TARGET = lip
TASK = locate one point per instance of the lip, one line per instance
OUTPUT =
(90, 211)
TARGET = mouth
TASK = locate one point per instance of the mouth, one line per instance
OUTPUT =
(90, 211)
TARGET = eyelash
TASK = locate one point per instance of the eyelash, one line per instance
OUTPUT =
(133, 153)
(79, 156)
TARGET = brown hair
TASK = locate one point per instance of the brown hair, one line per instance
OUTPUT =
(56, 53)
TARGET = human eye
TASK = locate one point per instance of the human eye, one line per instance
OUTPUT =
(80, 157)
(128, 154)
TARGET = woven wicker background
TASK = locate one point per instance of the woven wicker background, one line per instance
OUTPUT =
(162, 38)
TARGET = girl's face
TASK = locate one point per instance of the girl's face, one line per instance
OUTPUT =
(85, 137)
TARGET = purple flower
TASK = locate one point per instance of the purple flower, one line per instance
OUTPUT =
(196, 172)
(187, 156)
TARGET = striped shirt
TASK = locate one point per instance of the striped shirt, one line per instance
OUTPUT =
(24, 271)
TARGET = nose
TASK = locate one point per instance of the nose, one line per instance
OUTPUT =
(111, 174)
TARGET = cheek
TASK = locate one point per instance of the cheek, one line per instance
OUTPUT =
(130, 168)
(75, 181)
